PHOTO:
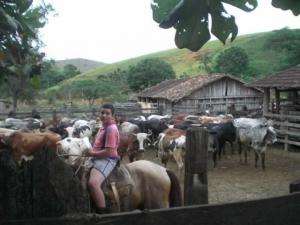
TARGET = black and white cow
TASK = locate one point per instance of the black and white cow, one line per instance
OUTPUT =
(257, 134)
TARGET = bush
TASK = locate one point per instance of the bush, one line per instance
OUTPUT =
(285, 40)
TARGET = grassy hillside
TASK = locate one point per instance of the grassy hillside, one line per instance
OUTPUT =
(264, 61)
(83, 65)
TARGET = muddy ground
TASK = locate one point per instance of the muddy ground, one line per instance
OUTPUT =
(234, 181)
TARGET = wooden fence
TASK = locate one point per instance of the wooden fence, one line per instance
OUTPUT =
(129, 110)
(284, 210)
(287, 127)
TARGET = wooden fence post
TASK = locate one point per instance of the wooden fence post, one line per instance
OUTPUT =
(295, 186)
(195, 181)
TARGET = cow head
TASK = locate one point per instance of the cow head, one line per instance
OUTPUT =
(263, 136)
(142, 138)
(270, 137)
(71, 149)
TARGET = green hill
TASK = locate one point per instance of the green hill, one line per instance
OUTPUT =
(263, 61)
(83, 65)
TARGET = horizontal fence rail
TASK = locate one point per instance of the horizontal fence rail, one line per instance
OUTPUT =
(126, 110)
(284, 210)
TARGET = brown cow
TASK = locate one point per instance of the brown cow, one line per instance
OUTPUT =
(178, 118)
(171, 145)
(205, 120)
(24, 145)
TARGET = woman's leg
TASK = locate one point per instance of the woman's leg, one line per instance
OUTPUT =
(95, 181)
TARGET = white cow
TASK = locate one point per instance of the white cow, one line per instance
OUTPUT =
(72, 150)
(158, 117)
(171, 147)
(142, 137)
(129, 128)
(140, 118)
(257, 134)
(83, 128)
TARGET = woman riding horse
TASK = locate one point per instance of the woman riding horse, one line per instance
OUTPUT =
(104, 156)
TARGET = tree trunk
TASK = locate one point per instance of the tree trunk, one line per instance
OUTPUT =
(91, 102)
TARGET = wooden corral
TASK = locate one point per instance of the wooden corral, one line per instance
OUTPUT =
(38, 190)
(284, 210)
(127, 109)
(282, 104)
(215, 92)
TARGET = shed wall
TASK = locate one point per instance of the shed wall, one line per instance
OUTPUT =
(218, 95)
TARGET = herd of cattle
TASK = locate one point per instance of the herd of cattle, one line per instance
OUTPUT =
(70, 138)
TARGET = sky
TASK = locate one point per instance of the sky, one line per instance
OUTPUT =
(114, 30)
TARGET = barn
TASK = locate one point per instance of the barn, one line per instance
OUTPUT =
(282, 103)
(193, 95)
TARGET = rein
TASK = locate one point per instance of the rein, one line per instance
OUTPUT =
(80, 156)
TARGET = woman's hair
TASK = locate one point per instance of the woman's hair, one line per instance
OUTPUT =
(109, 106)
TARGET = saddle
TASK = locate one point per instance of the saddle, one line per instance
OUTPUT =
(117, 189)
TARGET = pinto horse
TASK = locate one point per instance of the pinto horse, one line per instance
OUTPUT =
(142, 185)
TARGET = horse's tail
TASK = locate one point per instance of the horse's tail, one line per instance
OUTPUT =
(175, 196)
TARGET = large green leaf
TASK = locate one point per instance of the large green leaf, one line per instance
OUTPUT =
(24, 5)
(192, 29)
(223, 24)
(293, 5)
(162, 9)
(246, 5)
(190, 19)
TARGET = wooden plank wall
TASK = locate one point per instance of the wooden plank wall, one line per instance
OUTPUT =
(218, 96)
(284, 210)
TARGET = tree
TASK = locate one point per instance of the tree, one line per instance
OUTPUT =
(70, 70)
(190, 18)
(285, 40)
(233, 61)
(51, 74)
(149, 72)
(20, 60)
(87, 89)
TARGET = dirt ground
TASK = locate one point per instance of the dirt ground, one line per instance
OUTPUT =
(234, 181)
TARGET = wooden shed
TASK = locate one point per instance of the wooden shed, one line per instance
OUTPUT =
(282, 103)
(214, 92)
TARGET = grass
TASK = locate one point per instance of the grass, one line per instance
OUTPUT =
(185, 62)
